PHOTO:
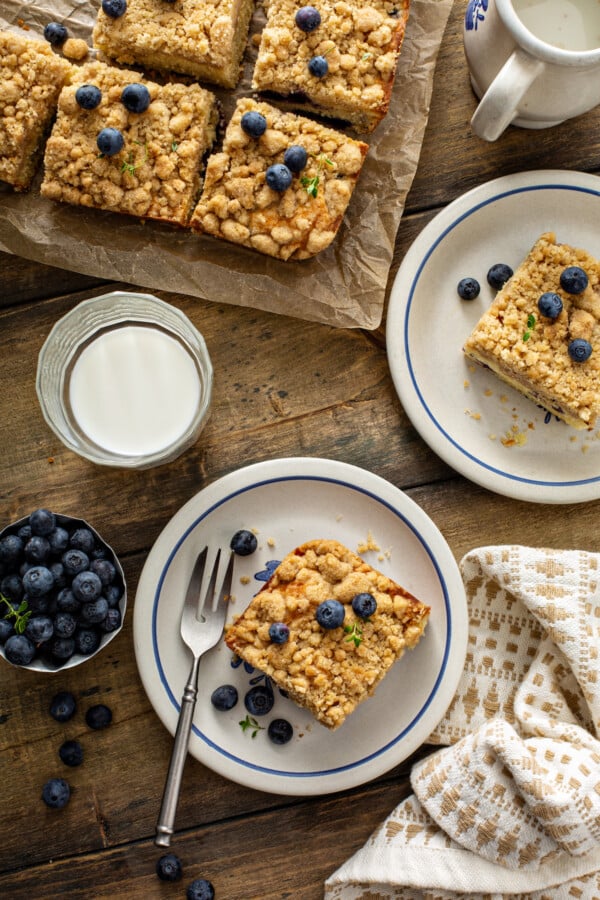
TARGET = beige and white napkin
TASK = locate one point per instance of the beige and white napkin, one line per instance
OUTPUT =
(511, 807)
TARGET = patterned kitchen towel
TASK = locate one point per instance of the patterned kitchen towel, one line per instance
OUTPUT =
(511, 807)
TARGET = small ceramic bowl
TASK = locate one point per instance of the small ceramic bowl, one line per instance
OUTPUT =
(125, 380)
(58, 616)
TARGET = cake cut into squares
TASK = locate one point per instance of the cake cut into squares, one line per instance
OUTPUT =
(203, 38)
(238, 204)
(157, 172)
(328, 671)
(31, 78)
(531, 351)
(344, 67)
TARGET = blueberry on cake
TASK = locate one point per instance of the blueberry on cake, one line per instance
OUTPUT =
(125, 144)
(541, 335)
(281, 183)
(326, 628)
(337, 59)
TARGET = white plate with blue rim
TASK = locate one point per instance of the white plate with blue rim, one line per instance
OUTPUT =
(482, 428)
(287, 502)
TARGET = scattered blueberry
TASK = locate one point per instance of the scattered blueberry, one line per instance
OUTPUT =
(295, 158)
(56, 793)
(200, 889)
(573, 280)
(19, 650)
(38, 580)
(168, 867)
(110, 141)
(259, 700)
(135, 97)
(88, 96)
(42, 522)
(580, 350)
(224, 697)
(308, 18)
(71, 753)
(364, 605)
(243, 542)
(55, 33)
(330, 614)
(550, 305)
(278, 177)
(86, 586)
(75, 561)
(87, 641)
(114, 8)
(468, 288)
(63, 706)
(279, 632)
(498, 275)
(39, 629)
(98, 716)
(253, 123)
(318, 66)
(280, 731)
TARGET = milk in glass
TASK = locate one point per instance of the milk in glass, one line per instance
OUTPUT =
(567, 24)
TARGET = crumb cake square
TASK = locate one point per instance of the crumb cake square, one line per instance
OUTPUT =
(156, 172)
(203, 38)
(328, 670)
(554, 359)
(343, 67)
(31, 77)
(238, 204)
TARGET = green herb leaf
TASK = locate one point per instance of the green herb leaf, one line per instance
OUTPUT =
(21, 615)
(250, 724)
(174, 146)
(530, 326)
(311, 185)
(354, 633)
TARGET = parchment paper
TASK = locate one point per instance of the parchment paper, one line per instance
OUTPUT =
(343, 286)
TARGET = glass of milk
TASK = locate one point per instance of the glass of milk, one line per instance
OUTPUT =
(125, 380)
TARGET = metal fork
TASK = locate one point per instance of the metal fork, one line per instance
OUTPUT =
(201, 627)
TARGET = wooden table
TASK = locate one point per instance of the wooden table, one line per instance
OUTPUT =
(336, 400)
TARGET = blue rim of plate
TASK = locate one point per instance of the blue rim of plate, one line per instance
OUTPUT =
(298, 773)
(511, 477)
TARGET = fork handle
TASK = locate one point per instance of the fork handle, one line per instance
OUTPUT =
(166, 818)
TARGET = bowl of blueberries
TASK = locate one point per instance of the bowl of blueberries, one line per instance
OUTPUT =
(62, 592)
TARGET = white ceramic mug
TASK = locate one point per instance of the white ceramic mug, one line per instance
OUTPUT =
(533, 63)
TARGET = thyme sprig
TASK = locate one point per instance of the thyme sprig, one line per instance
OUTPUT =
(21, 614)
(530, 326)
(312, 184)
(354, 633)
(250, 723)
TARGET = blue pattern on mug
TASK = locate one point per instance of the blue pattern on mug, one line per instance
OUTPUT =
(476, 10)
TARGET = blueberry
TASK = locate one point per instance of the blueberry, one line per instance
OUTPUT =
(6, 629)
(63, 706)
(19, 650)
(280, 731)
(135, 97)
(88, 96)
(330, 614)
(87, 641)
(111, 622)
(243, 542)
(308, 18)
(86, 586)
(25, 532)
(37, 605)
(75, 561)
(318, 66)
(550, 305)
(58, 573)
(278, 177)
(468, 288)
(66, 601)
(364, 605)
(39, 629)
(62, 649)
(42, 522)
(65, 625)
(11, 548)
(224, 697)
(113, 594)
(38, 581)
(253, 123)
(104, 569)
(573, 280)
(95, 612)
(56, 793)
(168, 867)
(98, 716)
(295, 158)
(580, 350)
(71, 753)
(12, 587)
(114, 8)
(498, 275)
(200, 889)
(83, 539)
(110, 141)
(259, 700)
(279, 632)
(37, 549)
(55, 33)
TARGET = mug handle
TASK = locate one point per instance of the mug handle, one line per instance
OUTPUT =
(498, 106)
